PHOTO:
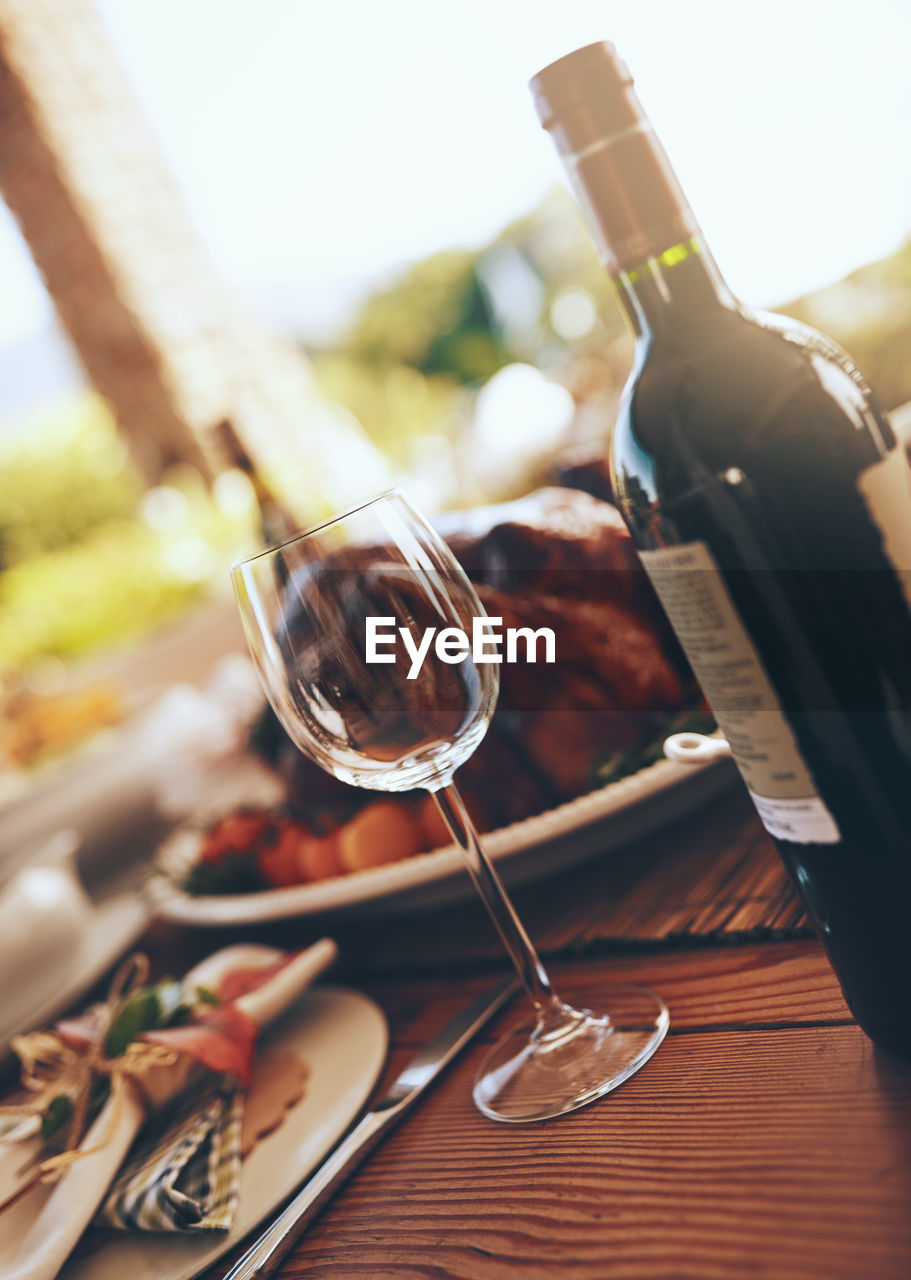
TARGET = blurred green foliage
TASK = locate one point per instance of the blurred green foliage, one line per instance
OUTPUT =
(63, 474)
(444, 316)
(105, 589)
(400, 324)
(82, 567)
(394, 402)
(869, 314)
(434, 319)
(420, 346)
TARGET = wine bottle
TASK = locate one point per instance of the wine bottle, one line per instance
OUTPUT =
(276, 522)
(771, 507)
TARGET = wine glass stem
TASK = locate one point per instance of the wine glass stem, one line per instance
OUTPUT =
(502, 912)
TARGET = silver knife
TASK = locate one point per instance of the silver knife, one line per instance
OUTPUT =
(263, 1257)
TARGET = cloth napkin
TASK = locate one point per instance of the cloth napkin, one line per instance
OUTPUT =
(73, 1202)
(186, 1178)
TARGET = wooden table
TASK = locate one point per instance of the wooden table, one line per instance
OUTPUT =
(767, 1137)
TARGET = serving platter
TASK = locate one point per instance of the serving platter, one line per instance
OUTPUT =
(593, 825)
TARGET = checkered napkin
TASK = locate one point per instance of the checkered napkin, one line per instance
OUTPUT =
(186, 1178)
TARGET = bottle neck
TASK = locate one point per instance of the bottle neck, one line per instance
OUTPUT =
(277, 524)
(669, 286)
(636, 211)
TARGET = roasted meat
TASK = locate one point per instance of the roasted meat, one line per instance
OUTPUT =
(562, 559)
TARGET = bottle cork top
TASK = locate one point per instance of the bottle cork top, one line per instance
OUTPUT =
(592, 77)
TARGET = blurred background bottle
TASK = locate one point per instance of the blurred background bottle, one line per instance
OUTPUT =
(276, 522)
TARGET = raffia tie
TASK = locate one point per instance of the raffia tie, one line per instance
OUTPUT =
(51, 1068)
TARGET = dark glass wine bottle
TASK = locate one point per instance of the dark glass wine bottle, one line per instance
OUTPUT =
(771, 506)
(276, 522)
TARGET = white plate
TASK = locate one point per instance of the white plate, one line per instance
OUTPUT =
(342, 1036)
(113, 925)
(594, 824)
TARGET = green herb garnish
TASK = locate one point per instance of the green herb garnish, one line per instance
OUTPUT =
(58, 1114)
(167, 1004)
(235, 873)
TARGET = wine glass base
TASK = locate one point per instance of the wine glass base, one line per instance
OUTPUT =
(534, 1074)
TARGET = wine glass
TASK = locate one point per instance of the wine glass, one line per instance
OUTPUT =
(391, 725)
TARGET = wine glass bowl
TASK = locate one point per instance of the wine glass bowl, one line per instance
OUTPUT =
(305, 606)
(403, 712)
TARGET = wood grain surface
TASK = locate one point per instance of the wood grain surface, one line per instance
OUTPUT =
(776, 1153)
(766, 1138)
(756, 985)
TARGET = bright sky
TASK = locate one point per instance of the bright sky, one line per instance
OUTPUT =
(325, 142)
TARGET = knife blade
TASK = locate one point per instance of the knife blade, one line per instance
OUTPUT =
(266, 1253)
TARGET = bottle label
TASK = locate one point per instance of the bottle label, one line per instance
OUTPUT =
(886, 489)
(691, 588)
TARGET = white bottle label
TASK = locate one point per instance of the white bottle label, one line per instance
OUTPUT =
(689, 584)
(886, 489)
